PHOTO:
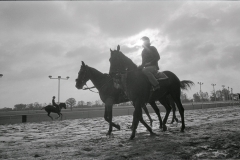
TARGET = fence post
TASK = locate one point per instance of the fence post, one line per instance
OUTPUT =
(24, 118)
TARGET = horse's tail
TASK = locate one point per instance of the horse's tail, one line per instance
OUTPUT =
(186, 84)
(43, 108)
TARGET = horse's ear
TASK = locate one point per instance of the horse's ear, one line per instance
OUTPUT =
(83, 64)
(111, 51)
(118, 48)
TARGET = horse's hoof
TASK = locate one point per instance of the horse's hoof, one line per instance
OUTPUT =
(153, 134)
(131, 138)
(182, 130)
(108, 133)
(160, 127)
(164, 128)
(118, 127)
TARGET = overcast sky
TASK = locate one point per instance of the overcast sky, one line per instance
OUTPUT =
(198, 41)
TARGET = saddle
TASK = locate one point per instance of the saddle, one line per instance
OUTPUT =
(163, 81)
(160, 76)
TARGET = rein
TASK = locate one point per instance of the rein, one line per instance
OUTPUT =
(90, 88)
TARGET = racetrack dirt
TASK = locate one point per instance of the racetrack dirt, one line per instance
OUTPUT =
(210, 134)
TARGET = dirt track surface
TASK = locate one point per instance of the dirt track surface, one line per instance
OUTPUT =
(210, 134)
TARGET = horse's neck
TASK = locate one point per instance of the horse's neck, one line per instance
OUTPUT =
(131, 66)
(97, 78)
(124, 83)
(128, 63)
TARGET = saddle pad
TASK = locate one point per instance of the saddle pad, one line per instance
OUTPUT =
(160, 75)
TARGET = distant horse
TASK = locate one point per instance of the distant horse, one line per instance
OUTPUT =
(50, 108)
(108, 93)
(137, 88)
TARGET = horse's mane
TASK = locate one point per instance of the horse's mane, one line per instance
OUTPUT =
(127, 61)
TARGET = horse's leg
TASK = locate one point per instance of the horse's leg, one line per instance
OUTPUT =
(180, 108)
(147, 113)
(58, 115)
(49, 115)
(145, 124)
(136, 117)
(174, 111)
(108, 115)
(168, 110)
(157, 111)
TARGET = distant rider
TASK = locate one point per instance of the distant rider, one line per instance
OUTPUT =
(150, 58)
(53, 102)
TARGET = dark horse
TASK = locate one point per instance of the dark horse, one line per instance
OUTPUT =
(108, 93)
(50, 108)
(137, 88)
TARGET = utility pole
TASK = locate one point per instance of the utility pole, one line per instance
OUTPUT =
(223, 91)
(228, 94)
(59, 78)
(200, 83)
(214, 92)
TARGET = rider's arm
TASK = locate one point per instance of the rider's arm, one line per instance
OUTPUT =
(143, 60)
(155, 57)
(53, 102)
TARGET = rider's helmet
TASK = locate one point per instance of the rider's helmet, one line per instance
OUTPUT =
(53, 97)
(146, 40)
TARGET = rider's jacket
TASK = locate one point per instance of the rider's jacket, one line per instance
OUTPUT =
(150, 55)
(53, 103)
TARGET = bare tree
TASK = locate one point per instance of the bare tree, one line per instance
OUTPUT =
(71, 102)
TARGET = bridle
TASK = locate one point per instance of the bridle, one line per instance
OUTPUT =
(85, 83)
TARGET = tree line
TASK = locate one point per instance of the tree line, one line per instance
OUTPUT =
(70, 102)
(219, 95)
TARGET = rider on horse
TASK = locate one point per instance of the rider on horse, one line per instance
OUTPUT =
(149, 66)
(53, 102)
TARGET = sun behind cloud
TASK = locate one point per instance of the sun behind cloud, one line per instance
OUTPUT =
(134, 42)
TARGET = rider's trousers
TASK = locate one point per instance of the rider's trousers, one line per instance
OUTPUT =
(150, 71)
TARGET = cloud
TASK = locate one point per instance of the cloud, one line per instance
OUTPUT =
(196, 40)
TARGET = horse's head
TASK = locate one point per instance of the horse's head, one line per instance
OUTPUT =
(117, 64)
(83, 76)
(62, 105)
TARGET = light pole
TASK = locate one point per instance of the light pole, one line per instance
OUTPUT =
(232, 95)
(59, 78)
(228, 93)
(214, 91)
(223, 91)
(200, 83)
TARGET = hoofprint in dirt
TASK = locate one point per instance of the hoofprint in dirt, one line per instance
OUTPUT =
(210, 133)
